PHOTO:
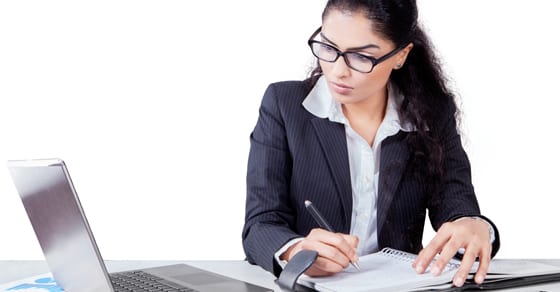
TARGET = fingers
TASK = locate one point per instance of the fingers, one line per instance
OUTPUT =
(426, 256)
(470, 235)
(473, 251)
(464, 270)
(448, 251)
(335, 251)
(323, 267)
(351, 239)
(340, 244)
(484, 263)
(353, 244)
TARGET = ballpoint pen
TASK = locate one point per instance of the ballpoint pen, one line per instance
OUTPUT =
(323, 223)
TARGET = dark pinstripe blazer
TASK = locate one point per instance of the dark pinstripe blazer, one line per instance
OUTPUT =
(295, 156)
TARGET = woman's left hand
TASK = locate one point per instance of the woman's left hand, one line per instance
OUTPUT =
(468, 233)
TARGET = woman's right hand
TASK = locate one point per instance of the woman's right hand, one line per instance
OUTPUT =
(336, 251)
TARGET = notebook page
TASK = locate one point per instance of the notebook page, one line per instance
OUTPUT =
(382, 271)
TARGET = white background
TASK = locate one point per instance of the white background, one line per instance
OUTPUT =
(151, 104)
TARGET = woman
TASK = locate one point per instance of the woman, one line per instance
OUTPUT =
(370, 138)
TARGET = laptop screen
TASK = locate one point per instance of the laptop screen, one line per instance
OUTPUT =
(53, 207)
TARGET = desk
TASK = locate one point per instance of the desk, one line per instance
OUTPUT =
(14, 270)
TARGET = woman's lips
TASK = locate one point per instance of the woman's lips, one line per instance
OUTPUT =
(341, 88)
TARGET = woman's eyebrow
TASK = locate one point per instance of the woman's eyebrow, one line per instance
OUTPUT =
(351, 49)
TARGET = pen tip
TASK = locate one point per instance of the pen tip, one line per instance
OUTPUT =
(307, 203)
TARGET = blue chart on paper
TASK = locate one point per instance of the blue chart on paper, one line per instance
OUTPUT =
(42, 284)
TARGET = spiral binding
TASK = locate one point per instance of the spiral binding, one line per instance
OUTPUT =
(410, 257)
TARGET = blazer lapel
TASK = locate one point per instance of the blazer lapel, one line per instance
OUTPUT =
(332, 138)
(393, 160)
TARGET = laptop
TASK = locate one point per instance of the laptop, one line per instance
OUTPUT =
(55, 212)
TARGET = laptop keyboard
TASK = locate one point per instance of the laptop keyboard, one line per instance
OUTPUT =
(141, 281)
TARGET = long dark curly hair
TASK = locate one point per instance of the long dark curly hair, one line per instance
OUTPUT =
(421, 79)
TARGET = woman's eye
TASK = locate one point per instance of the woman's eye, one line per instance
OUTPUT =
(327, 48)
(359, 58)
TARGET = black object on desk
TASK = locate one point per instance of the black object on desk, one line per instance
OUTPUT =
(299, 263)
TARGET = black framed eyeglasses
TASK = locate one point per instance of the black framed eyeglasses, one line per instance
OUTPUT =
(354, 60)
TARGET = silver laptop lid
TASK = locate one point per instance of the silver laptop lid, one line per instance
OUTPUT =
(58, 219)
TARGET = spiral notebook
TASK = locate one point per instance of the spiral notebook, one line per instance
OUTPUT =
(386, 270)
(391, 270)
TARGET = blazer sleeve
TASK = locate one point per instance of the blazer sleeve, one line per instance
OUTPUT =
(268, 216)
(457, 199)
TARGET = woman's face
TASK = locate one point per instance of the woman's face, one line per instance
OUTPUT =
(347, 31)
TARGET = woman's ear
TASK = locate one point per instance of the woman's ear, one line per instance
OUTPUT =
(402, 55)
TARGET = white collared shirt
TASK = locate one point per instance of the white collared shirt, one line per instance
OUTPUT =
(363, 159)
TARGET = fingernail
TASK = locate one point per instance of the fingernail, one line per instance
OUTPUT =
(435, 270)
(459, 281)
(419, 269)
(479, 279)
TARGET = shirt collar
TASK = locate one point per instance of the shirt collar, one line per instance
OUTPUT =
(320, 103)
